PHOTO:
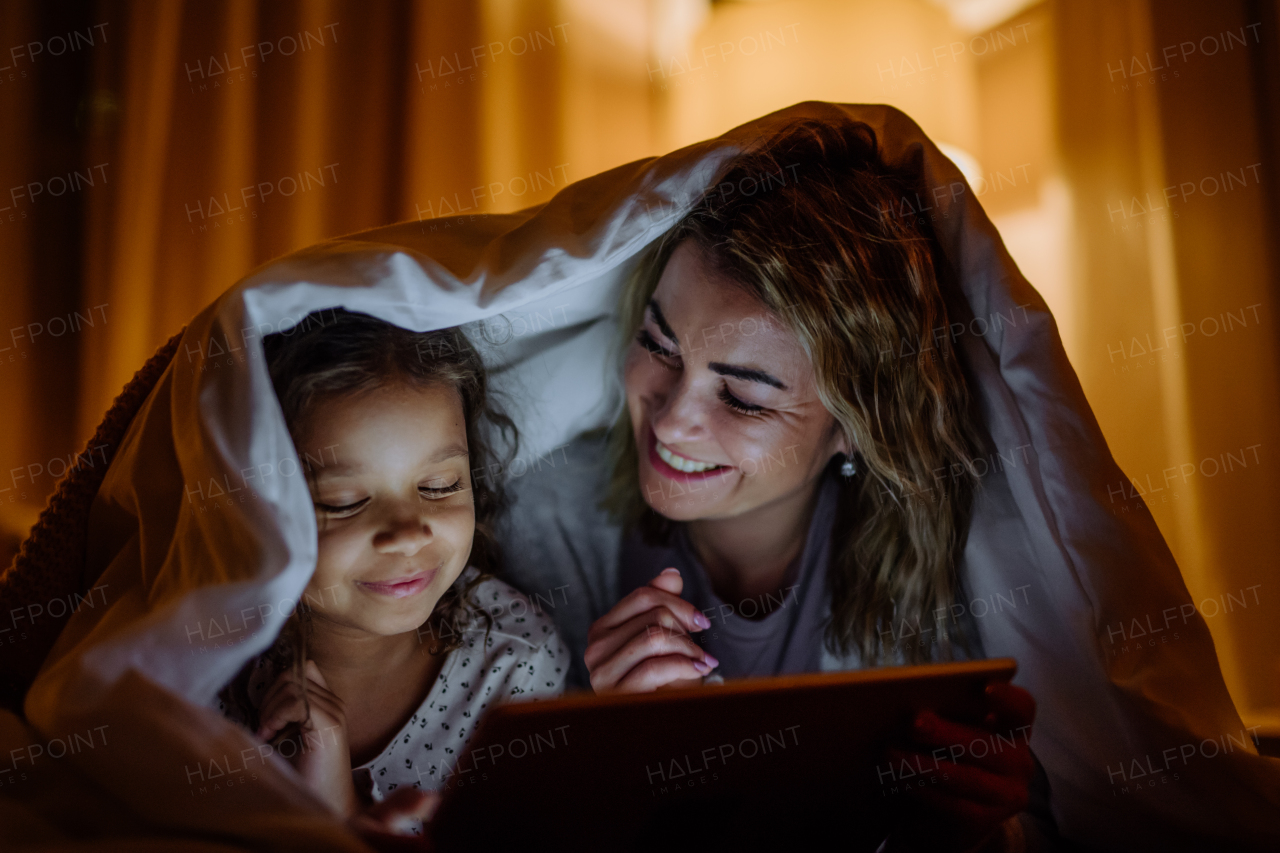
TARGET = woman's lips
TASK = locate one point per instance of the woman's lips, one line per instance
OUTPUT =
(660, 465)
(400, 587)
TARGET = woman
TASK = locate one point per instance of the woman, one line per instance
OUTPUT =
(851, 438)
(815, 292)
(775, 467)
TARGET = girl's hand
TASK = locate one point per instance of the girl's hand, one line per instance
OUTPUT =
(382, 825)
(322, 756)
(974, 780)
(643, 643)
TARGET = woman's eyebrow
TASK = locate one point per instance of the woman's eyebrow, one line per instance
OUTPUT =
(747, 373)
(662, 322)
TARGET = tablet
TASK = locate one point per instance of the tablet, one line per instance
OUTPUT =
(749, 764)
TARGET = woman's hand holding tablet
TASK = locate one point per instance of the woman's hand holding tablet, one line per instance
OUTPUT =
(972, 795)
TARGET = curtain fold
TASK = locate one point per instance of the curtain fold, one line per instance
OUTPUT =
(225, 133)
(242, 130)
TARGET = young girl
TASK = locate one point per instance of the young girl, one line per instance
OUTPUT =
(403, 638)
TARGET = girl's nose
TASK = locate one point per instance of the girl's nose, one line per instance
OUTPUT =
(406, 535)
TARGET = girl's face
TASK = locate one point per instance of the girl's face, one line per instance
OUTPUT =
(722, 398)
(394, 508)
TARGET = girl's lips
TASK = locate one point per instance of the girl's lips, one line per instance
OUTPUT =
(670, 473)
(400, 587)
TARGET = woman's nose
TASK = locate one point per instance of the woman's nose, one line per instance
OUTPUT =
(406, 534)
(678, 414)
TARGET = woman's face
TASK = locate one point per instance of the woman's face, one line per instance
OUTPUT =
(722, 398)
(394, 507)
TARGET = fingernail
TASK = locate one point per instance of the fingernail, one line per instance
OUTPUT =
(701, 667)
(710, 660)
(700, 619)
(672, 569)
(989, 719)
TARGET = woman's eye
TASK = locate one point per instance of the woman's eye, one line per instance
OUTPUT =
(341, 510)
(646, 340)
(738, 405)
(441, 491)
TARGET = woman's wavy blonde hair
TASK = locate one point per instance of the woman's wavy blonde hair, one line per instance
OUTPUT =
(811, 223)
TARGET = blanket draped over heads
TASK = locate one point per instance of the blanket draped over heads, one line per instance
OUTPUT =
(203, 534)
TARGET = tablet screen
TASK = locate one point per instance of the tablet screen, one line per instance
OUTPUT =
(750, 763)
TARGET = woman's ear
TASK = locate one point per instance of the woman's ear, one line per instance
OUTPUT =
(839, 443)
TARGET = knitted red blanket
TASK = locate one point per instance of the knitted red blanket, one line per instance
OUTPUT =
(50, 566)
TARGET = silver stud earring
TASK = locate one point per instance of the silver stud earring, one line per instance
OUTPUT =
(848, 469)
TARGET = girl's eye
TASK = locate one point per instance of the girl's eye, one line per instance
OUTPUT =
(342, 511)
(441, 492)
(738, 405)
(646, 340)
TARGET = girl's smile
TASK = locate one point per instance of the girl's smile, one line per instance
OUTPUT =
(400, 587)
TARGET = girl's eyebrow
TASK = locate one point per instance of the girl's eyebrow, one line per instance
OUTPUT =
(452, 451)
(747, 373)
(662, 322)
(336, 470)
(449, 452)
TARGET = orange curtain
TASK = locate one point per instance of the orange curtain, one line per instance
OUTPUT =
(158, 151)
(240, 131)
(223, 134)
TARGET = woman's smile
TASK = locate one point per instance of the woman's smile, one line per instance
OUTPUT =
(401, 587)
(676, 466)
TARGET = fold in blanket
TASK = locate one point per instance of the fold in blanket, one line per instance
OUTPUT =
(196, 521)
(46, 581)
